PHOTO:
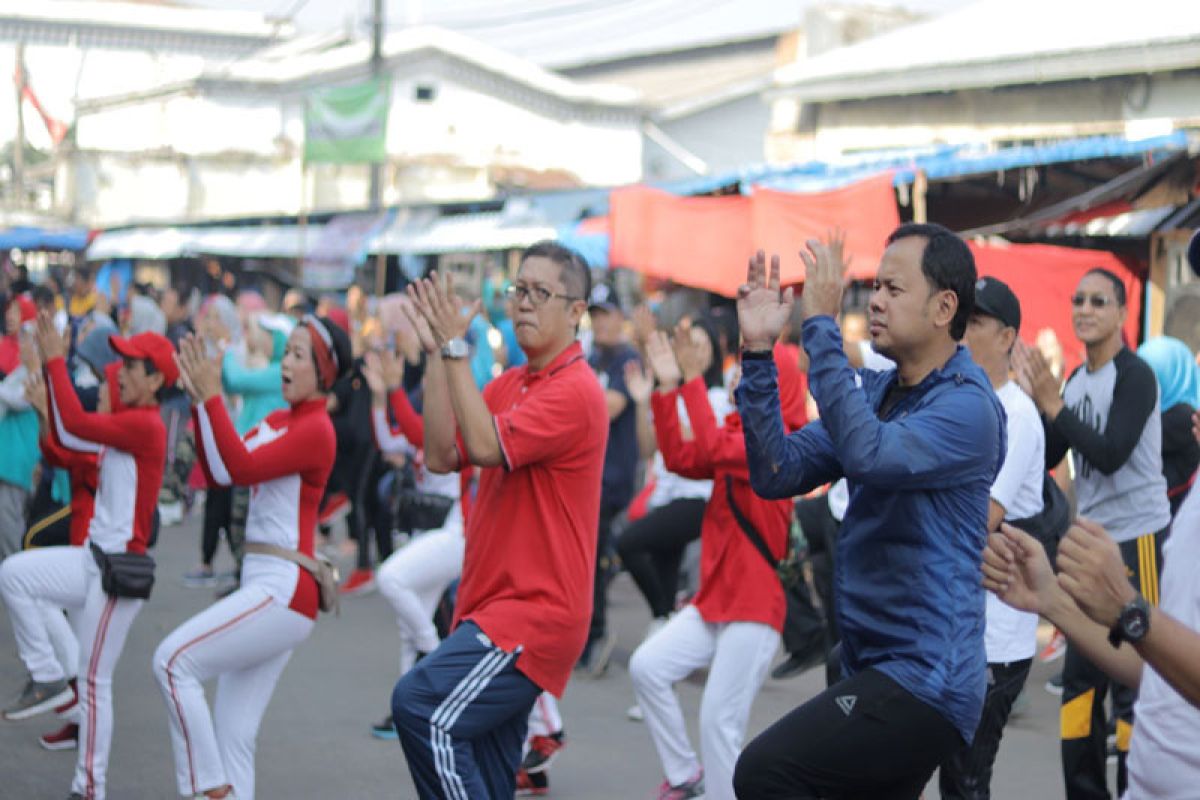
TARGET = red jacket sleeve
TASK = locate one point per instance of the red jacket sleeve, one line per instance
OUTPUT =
(307, 445)
(683, 458)
(58, 456)
(410, 422)
(79, 430)
(724, 449)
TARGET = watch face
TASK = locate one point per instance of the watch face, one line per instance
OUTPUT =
(1135, 625)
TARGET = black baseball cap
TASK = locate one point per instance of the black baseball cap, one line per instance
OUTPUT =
(604, 297)
(993, 298)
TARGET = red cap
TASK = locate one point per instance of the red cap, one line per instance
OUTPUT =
(28, 309)
(152, 347)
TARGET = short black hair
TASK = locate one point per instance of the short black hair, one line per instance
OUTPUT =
(573, 268)
(948, 265)
(42, 296)
(714, 376)
(1118, 284)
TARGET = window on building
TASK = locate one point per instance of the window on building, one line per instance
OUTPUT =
(424, 93)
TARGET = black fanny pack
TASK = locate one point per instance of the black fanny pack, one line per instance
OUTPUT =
(125, 574)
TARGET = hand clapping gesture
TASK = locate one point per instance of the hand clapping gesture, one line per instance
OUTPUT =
(824, 276)
(763, 310)
(442, 310)
(384, 372)
(1035, 377)
(638, 382)
(1016, 569)
(687, 354)
(199, 374)
(49, 341)
(35, 394)
(662, 362)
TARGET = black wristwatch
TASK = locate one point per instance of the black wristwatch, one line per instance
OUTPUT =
(1133, 624)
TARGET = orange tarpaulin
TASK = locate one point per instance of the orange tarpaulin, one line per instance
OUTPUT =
(706, 241)
(1044, 278)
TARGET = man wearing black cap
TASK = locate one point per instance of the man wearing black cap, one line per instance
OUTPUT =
(609, 354)
(1010, 636)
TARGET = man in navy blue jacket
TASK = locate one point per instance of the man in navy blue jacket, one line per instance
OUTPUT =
(920, 447)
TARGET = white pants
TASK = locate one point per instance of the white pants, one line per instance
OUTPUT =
(737, 655)
(544, 719)
(67, 577)
(244, 641)
(413, 580)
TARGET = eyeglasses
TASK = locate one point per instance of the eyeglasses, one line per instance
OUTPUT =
(538, 296)
(1097, 300)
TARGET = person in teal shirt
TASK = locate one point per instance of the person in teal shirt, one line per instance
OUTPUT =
(258, 380)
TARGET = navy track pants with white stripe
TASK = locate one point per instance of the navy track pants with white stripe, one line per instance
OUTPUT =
(462, 713)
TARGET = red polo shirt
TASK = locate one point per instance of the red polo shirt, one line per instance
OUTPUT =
(531, 537)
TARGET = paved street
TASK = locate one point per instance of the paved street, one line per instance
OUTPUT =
(314, 741)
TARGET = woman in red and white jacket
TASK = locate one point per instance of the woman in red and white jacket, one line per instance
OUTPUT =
(732, 625)
(245, 639)
(130, 444)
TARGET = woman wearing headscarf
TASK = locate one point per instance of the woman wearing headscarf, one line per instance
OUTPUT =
(1178, 398)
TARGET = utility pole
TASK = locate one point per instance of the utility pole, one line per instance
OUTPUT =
(18, 162)
(376, 73)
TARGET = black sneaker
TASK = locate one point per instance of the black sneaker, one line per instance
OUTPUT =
(1055, 685)
(800, 662)
(38, 697)
(385, 729)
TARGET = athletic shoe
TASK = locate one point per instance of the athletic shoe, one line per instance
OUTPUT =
(63, 710)
(1055, 685)
(532, 785)
(692, 787)
(360, 581)
(336, 506)
(542, 752)
(597, 654)
(38, 697)
(1055, 649)
(801, 661)
(385, 729)
(170, 513)
(65, 738)
(634, 713)
(202, 578)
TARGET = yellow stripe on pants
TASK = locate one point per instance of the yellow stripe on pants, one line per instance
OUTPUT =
(1124, 734)
(1076, 716)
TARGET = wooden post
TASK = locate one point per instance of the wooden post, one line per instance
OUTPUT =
(920, 185)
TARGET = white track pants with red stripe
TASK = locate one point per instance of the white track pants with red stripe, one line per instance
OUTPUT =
(68, 577)
(244, 641)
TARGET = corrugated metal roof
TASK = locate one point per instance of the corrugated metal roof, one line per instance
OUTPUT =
(1004, 42)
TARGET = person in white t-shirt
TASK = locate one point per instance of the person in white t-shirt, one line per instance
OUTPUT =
(1010, 637)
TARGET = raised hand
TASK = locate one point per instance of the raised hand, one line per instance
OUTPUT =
(638, 382)
(687, 354)
(824, 275)
(644, 324)
(35, 393)
(420, 325)
(442, 308)
(763, 310)
(29, 352)
(49, 341)
(199, 374)
(1016, 569)
(1036, 378)
(373, 372)
(662, 361)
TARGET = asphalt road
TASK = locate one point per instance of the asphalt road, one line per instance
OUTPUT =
(315, 742)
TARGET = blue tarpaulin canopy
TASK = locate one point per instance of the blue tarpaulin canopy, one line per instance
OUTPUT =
(33, 238)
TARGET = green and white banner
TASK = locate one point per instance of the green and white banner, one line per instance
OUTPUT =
(347, 124)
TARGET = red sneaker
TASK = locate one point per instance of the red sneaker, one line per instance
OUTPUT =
(535, 785)
(360, 581)
(74, 701)
(1055, 649)
(65, 738)
(542, 752)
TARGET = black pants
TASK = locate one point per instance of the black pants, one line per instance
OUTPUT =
(1084, 727)
(604, 565)
(367, 513)
(651, 548)
(967, 775)
(866, 737)
(218, 516)
(49, 522)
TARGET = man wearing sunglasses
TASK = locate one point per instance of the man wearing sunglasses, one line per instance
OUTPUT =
(1108, 417)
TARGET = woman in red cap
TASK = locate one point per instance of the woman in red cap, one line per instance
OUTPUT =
(732, 624)
(245, 639)
(131, 447)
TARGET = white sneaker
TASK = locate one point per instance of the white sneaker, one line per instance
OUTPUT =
(170, 514)
(634, 713)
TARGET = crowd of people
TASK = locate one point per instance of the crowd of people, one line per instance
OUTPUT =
(897, 493)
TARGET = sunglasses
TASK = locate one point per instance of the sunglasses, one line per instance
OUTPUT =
(1097, 300)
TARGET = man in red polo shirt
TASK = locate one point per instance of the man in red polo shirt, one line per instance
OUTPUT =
(539, 433)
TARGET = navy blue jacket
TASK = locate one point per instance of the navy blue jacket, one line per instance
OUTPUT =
(908, 597)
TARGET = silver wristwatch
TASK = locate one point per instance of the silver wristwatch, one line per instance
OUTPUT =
(456, 348)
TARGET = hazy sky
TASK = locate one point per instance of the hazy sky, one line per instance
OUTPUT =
(325, 14)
